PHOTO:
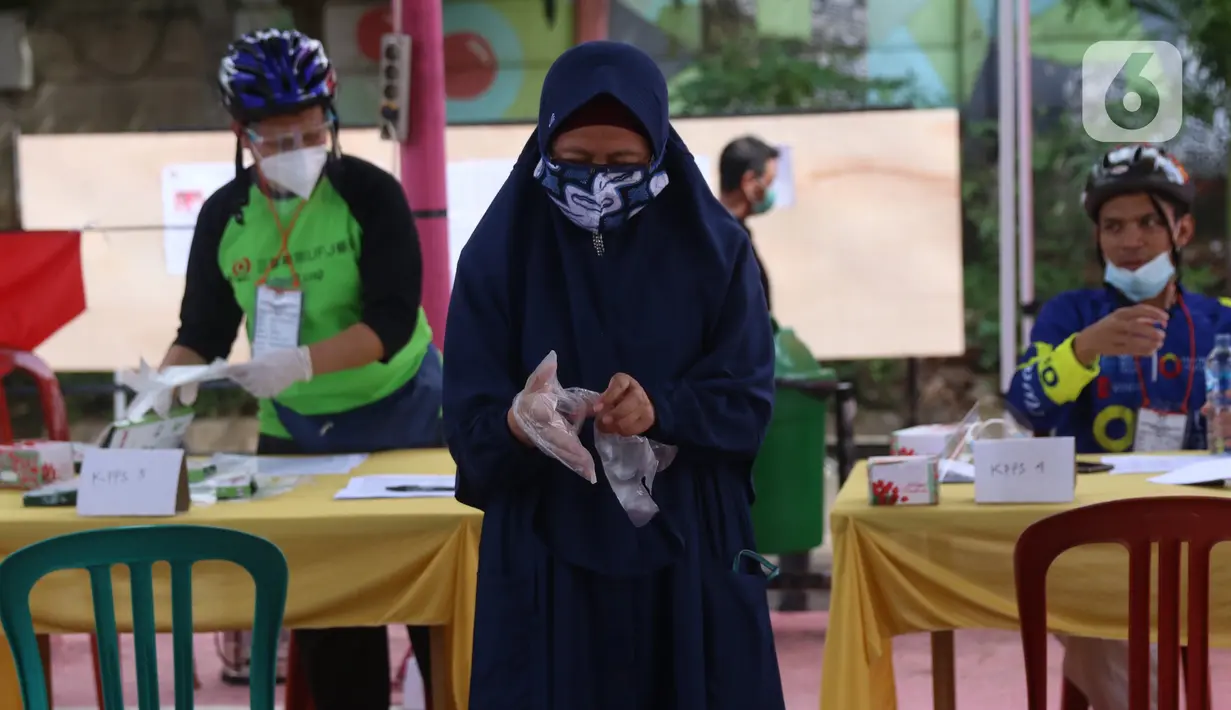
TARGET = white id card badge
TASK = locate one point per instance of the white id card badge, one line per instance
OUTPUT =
(278, 315)
(1159, 431)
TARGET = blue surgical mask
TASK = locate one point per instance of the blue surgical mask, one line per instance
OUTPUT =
(599, 197)
(1144, 283)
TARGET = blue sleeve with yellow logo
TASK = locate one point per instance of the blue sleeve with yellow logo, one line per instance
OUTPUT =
(1049, 378)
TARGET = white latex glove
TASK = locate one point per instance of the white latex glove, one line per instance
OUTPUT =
(155, 389)
(164, 402)
(270, 374)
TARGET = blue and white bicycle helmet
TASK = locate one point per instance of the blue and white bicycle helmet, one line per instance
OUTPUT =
(275, 72)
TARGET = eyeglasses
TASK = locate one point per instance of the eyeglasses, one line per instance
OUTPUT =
(271, 142)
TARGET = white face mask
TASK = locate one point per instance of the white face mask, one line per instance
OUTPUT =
(297, 171)
(1144, 283)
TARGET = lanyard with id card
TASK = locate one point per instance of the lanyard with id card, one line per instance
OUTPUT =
(278, 312)
(1159, 430)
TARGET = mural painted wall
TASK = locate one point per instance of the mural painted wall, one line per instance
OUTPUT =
(947, 47)
(496, 53)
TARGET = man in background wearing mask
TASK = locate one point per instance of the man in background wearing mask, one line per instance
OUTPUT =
(746, 172)
(1120, 368)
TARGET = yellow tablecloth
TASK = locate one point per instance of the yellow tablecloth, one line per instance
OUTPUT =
(906, 569)
(352, 563)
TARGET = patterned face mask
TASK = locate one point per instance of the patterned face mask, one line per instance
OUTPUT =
(599, 197)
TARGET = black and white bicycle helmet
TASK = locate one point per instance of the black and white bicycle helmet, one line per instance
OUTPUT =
(1138, 168)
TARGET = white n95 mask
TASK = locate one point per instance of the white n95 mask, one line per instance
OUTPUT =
(298, 170)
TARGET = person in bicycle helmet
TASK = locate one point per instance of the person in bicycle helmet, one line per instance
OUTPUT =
(317, 251)
(1120, 368)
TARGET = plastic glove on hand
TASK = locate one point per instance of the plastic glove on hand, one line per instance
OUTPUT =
(551, 416)
(270, 374)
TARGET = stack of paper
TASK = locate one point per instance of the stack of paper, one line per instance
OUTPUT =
(1143, 463)
(1208, 469)
(399, 486)
(289, 465)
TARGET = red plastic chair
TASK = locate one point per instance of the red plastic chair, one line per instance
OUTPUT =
(55, 416)
(298, 694)
(55, 420)
(1137, 524)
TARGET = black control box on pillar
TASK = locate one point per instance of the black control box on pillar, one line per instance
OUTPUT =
(394, 85)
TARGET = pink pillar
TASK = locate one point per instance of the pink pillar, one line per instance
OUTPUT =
(422, 155)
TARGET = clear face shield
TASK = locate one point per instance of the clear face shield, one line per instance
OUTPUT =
(291, 155)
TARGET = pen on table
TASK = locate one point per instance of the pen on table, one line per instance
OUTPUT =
(415, 488)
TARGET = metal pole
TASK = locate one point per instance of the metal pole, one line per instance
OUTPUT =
(421, 158)
(1025, 168)
(1007, 191)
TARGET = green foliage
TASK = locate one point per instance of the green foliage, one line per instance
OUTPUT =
(1205, 27)
(751, 74)
(1064, 247)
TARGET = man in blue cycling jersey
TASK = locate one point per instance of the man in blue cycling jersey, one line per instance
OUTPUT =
(1120, 367)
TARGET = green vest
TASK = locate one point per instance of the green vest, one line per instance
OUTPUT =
(324, 249)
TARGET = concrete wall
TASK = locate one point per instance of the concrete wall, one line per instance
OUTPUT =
(113, 65)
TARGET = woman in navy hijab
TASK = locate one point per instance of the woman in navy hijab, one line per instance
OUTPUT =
(606, 246)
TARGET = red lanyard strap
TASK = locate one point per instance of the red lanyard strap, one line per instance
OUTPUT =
(284, 250)
(1192, 361)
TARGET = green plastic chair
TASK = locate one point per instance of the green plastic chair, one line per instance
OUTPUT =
(140, 547)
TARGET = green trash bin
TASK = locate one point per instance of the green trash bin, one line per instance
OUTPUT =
(789, 474)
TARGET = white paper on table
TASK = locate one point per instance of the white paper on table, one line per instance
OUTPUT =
(1137, 463)
(1025, 470)
(288, 465)
(130, 482)
(954, 471)
(1208, 470)
(423, 485)
(153, 387)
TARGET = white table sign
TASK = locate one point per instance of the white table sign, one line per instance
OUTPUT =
(132, 482)
(1027, 470)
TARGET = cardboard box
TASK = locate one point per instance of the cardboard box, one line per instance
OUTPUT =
(903, 480)
(151, 432)
(925, 440)
(32, 464)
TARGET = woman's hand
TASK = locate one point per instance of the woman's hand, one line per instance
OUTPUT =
(625, 408)
(536, 418)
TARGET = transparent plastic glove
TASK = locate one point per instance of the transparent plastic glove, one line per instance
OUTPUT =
(551, 416)
(270, 374)
(630, 463)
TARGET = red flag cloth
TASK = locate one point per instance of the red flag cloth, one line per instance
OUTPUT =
(41, 286)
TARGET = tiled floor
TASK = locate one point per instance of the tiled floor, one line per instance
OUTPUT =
(989, 669)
